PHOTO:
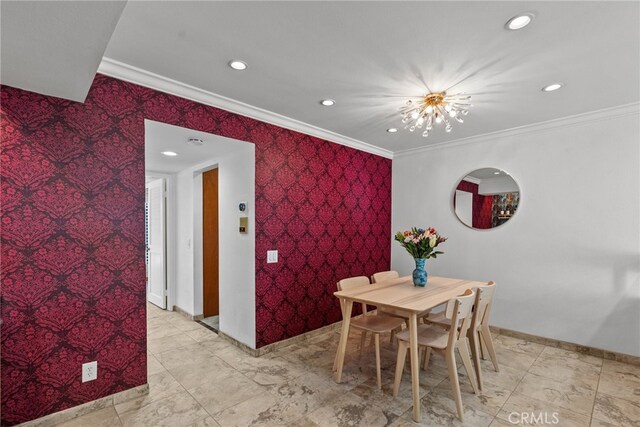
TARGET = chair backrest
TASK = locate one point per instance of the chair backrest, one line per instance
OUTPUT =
(459, 309)
(384, 275)
(482, 305)
(352, 283)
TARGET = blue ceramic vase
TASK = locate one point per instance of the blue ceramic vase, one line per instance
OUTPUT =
(420, 274)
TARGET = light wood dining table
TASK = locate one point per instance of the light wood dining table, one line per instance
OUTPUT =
(400, 295)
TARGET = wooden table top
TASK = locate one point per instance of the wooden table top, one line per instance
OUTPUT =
(401, 294)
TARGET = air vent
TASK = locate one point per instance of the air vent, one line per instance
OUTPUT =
(196, 141)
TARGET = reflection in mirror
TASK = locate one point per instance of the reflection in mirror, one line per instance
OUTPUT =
(486, 198)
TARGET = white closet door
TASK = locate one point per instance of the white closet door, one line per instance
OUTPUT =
(464, 207)
(156, 270)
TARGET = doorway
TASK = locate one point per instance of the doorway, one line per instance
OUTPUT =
(210, 248)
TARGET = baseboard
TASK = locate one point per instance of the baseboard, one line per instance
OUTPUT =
(592, 351)
(95, 405)
(186, 314)
(284, 343)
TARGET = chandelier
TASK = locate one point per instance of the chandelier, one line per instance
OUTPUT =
(435, 108)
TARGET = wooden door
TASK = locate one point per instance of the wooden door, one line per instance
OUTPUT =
(210, 251)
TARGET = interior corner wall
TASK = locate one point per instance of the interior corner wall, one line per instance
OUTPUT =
(567, 265)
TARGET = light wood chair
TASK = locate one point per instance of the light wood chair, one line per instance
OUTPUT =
(376, 324)
(479, 333)
(381, 277)
(436, 338)
(384, 275)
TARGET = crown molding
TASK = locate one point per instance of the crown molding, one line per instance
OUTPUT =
(122, 71)
(575, 120)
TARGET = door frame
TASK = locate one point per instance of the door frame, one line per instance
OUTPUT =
(170, 254)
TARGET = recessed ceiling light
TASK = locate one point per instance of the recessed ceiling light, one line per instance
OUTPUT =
(552, 87)
(238, 65)
(170, 153)
(518, 22)
(392, 130)
(328, 102)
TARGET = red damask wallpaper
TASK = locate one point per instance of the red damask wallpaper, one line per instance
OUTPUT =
(72, 266)
(482, 205)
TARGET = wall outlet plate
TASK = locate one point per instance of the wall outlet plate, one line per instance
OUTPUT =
(89, 371)
(272, 257)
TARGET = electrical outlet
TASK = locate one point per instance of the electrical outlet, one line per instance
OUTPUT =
(272, 257)
(89, 371)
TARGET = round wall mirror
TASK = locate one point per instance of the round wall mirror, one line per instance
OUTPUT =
(486, 198)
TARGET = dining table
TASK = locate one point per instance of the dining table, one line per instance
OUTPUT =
(401, 296)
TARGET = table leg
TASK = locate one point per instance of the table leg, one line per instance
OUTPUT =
(347, 306)
(415, 368)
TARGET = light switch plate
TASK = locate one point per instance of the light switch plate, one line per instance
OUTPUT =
(272, 257)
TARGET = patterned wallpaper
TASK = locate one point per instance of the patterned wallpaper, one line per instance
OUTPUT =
(327, 209)
(482, 205)
(72, 266)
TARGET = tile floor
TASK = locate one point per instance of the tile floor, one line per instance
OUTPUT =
(198, 379)
(213, 321)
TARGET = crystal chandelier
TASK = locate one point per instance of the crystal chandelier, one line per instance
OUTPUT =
(435, 108)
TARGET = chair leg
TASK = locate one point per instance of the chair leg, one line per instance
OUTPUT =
(488, 341)
(402, 357)
(483, 347)
(455, 385)
(377, 343)
(363, 341)
(475, 355)
(463, 349)
(427, 356)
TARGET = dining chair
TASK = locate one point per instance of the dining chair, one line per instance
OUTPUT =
(436, 338)
(384, 275)
(479, 332)
(381, 277)
(376, 324)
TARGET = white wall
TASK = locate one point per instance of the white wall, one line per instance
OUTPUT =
(236, 183)
(568, 263)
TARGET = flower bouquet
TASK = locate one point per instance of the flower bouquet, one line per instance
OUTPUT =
(421, 244)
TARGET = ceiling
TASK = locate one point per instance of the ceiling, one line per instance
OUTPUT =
(159, 137)
(371, 56)
(487, 173)
(54, 48)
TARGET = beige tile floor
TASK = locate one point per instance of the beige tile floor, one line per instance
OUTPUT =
(198, 379)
